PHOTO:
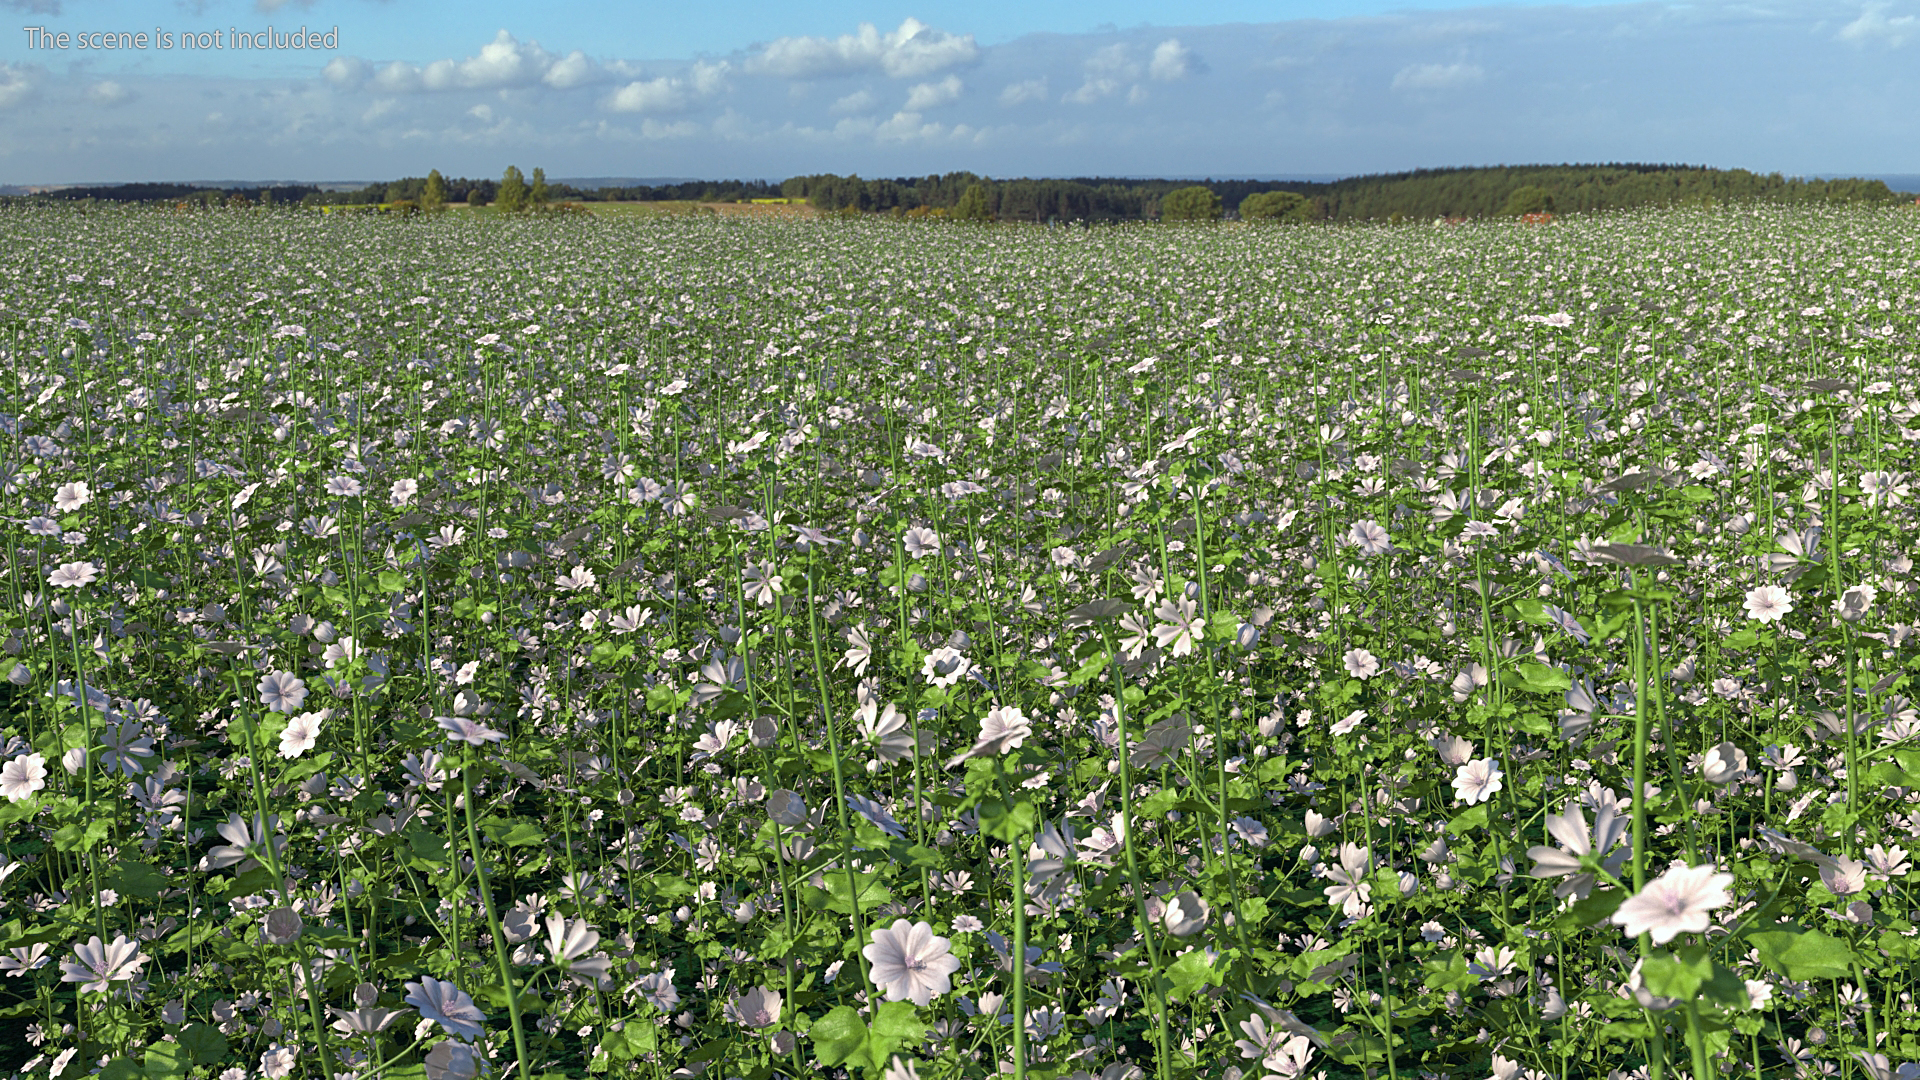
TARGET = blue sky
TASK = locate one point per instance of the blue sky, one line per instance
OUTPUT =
(1000, 87)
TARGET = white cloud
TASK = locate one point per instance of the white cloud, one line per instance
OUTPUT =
(575, 70)
(679, 129)
(482, 113)
(914, 50)
(1873, 26)
(857, 102)
(1172, 61)
(15, 85)
(1107, 70)
(1438, 76)
(932, 95)
(671, 93)
(346, 71)
(398, 77)
(108, 93)
(1022, 92)
(502, 63)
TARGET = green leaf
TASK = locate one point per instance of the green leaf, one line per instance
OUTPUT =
(839, 894)
(1090, 670)
(707, 1051)
(1448, 972)
(136, 879)
(1191, 971)
(1594, 908)
(840, 1038)
(1007, 823)
(1473, 818)
(121, 1068)
(1804, 954)
(169, 1060)
(426, 846)
(1739, 640)
(391, 581)
(1542, 679)
(896, 1027)
(77, 838)
(1672, 976)
(519, 835)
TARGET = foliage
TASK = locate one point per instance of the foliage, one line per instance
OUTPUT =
(512, 197)
(1188, 204)
(973, 204)
(434, 197)
(1270, 206)
(1296, 638)
(1528, 199)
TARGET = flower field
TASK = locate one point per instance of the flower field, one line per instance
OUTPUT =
(728, 648)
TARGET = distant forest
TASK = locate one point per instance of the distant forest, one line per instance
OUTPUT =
(1423, 194)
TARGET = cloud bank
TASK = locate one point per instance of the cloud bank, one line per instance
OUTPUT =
(1800, 86)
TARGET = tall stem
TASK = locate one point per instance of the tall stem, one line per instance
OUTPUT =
(839, 780)
(493, 924)
(1164, 1047)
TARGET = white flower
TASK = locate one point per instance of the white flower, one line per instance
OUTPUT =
(1723, 764)
(1004, 728)
(1477, 780)
(1185, 914)
(1854, 604)
(1370, 537)
(403, 491)
(1768, 603)
(96, 965)
(945, 666)
(1361, 664)
(921, 542)
(301, 733)
(1675, 902)
(72, 496)
(909, 963)
(282, 691)
(74, 573)
(447, 1005)
(23, 776)
(1180, 625)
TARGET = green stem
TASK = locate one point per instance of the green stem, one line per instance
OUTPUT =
(1164, 1046)
(493, 924)
(839, 779)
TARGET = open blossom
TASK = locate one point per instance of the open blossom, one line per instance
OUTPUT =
(1477, 780)
(1350, 888)
(72, 496)
(301, 733)
(1768, 603)
(68, 575)
(1180, 625)
(95, 965)
(1370, 537)
(22, 776)
(1674, 903)
(909, 963)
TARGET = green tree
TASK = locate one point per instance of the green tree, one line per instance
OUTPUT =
(1530, 199)
(1194, 203)
(537, 196)
(973, 204)
(1274, 206)
(512, 196)
(434, 198)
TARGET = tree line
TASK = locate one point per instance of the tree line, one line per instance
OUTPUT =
(1422, 194)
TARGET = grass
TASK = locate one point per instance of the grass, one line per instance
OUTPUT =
(1225, 641)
